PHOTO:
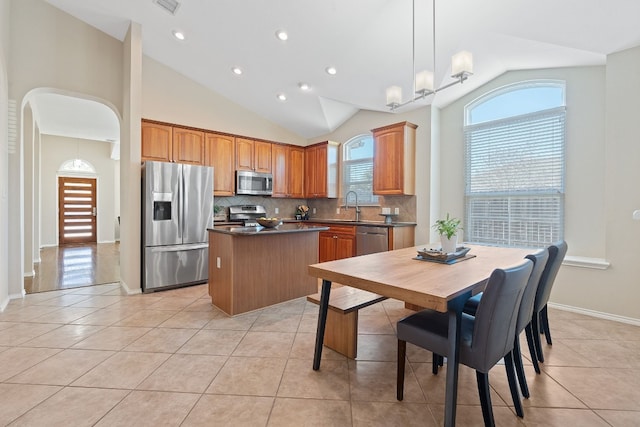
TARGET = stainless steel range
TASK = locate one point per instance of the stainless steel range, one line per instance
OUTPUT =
(247, 214)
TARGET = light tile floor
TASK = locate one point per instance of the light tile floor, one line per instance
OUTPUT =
(93, 356)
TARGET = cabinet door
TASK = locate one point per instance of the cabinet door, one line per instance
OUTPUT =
(388, 175)
(295, 172)
(156, 142)
(315, 168)
(326, 246)
(321, 172)
(262, 156)
(244, 154)
(220, 153)
(279, 166)
(188, 146)
(345, 246)
(310, 171)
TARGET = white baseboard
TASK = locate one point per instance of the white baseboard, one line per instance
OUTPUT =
(598, 314)
(128, 290)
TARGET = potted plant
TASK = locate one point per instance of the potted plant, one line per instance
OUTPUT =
(448, 230)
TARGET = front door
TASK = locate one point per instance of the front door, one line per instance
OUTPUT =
(76, 210)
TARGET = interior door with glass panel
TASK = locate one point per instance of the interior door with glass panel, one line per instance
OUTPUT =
(76, 210)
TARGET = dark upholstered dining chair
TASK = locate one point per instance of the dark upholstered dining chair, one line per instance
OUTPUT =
(557, 252)
(484, 339)
(539, 259)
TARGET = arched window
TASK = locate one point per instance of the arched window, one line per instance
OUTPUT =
(76, 166)
(514, 172)
(357, 169)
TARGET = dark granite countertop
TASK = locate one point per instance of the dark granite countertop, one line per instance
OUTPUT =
(351, 222)
(288, 227)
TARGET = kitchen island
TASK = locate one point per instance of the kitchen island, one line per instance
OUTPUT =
(254, 267)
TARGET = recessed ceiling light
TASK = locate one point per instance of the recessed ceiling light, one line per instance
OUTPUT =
(237, 70)
(331, 71)
(178, 34)
(304, 86)
(282, 35)
(282, 97)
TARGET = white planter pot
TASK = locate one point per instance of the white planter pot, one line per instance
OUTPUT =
(449, 245)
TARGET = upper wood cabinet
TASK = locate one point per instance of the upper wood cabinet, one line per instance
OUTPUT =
(220, 153)
(287, 167)
(394, 159)
(321, 170)
(253, 155)
(166, 143)
(188, 146)
(156, 142)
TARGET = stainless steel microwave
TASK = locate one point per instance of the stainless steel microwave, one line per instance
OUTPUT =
(257, 183)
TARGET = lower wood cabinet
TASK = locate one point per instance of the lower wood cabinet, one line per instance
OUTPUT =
(337, 243)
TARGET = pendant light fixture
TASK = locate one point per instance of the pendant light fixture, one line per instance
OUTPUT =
(423, 82)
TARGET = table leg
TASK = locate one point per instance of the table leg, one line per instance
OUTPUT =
(322, 321)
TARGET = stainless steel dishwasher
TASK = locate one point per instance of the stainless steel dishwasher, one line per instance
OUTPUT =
(371, 239)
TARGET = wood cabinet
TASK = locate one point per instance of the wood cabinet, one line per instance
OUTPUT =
(220, 153)
(394, 159)
(165, 143)
(287, 167)
(321, 170)
(188, 146)
(157, 142)
(252, 155)
(337, 243)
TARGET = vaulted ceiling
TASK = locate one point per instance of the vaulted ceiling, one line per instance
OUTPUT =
(369, 42)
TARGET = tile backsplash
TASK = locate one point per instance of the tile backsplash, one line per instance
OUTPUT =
(327, 208)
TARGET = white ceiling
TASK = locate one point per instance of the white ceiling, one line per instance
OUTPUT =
(368, 41)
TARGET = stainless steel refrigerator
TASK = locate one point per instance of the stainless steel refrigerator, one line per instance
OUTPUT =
(177, 209)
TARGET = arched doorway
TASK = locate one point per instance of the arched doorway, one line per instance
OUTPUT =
(59, 126)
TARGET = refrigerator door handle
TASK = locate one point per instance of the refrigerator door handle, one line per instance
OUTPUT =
(178, 248)
(180, 202)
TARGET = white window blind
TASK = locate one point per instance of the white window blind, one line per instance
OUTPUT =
(515, 180)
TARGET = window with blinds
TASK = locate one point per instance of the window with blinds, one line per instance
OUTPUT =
(357, 169)
(514, 172)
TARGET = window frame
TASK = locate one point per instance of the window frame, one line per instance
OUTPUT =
(373, 199)
(540, 200)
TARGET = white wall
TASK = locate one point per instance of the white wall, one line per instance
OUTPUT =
(600, 148)
(364, 121)
(56, 150)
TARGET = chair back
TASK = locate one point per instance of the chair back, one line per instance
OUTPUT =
(539, 260)
(495, 320)
(557, 251)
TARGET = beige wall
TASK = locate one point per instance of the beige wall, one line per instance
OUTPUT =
(602, 162)
(49, 49)
(57, 150)
(4, 166)
(169, 96)
(364, 121)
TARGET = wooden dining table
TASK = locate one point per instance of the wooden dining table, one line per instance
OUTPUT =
(437, 286)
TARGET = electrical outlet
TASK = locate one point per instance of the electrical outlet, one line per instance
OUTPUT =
(277, 211)
(218, 262)
(314, 210)
(337, 211)
(397, 211)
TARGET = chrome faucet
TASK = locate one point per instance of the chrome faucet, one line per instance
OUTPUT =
(346, 204)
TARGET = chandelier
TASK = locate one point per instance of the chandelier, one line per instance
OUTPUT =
(461, 69)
